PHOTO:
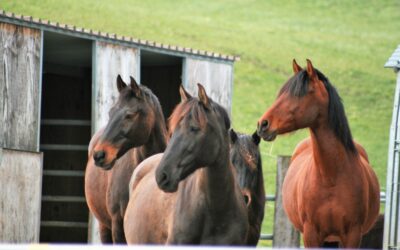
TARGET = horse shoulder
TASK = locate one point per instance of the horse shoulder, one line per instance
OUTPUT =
(302, 155)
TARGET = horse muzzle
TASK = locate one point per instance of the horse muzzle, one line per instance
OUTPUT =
(264, 131)
(101, 160)
(165, 183)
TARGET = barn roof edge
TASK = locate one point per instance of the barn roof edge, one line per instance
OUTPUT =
(4, 16)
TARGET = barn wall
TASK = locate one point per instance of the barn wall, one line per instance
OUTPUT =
(216, 77)
(19, 86)
(111, 60)
(20, 195)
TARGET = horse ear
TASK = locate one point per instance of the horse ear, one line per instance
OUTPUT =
(296, 67)
(135, 87)
(232, 135)
(120, 83)
(256, 138)
(184, 94)
(311, 72)
(203, 96)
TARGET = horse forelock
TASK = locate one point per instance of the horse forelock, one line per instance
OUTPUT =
(298, 85)
(196, 111)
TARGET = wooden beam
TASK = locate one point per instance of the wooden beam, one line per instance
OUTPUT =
(285, 235)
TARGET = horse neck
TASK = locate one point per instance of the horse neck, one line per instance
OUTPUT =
(218, 182)
(156, 143)
(330, 155)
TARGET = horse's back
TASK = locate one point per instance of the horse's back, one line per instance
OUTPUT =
(143, 169)
(148, 207)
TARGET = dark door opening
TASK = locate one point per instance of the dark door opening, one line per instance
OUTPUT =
(65, 132)
(163, 75)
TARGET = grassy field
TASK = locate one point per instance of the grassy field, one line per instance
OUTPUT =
(349, 41)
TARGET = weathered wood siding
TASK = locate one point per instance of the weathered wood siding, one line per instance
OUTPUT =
(215, 77)
(20, 195)
(19, 86)
(285, 235)
(111, 60)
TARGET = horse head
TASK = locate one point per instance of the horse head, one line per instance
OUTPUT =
(131, 120)
(198, 128)
(246, 159)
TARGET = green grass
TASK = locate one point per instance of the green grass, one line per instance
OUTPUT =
(349, 41)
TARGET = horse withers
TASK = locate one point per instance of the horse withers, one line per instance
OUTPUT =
(135, 130)
(246, 159)
(330, 192)
(189, 194)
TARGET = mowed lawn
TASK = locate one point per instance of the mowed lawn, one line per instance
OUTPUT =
(349, 41)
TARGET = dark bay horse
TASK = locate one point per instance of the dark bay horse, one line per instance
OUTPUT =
(136, 129)
(246, 158)
(189, 194)
(330, 192)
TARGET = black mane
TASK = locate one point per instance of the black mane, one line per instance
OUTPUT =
(298, 86)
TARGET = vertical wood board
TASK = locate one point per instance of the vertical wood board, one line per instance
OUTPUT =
(216, 78)
(19, 86)
(285, 235)
(111, 60)
(20, 196)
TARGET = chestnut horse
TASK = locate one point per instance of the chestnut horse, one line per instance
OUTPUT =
(189, 194)
(246, 158)
(135, 130)
(330, 192)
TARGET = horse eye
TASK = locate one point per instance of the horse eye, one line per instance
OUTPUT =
(130, 115)
(194, 129)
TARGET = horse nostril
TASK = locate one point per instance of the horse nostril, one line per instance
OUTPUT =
(264, 124)
(247, 199)
(163, 178)
(99, 156)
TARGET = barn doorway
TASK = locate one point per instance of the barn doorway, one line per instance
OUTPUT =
(65, 132)
(163, 75)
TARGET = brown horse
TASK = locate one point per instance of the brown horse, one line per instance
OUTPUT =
(246, 158)
(189, 194)
(330, 193)
(136, 130)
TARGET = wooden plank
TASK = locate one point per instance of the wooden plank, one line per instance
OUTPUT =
(285, 235)
(19, 86)
(216, 78)
(21, 183)
(111, 60)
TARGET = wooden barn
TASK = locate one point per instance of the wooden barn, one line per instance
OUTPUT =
(57, 83)
(391, 236)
